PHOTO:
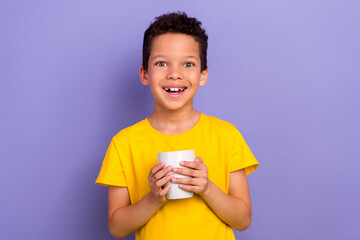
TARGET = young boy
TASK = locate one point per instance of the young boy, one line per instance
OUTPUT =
(174, 66)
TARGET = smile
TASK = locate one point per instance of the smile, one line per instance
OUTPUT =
(174, 90)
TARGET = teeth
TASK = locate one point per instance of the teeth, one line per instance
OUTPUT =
(174, 89)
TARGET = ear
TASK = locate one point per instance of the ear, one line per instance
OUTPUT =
(143, 76)
(203, 77)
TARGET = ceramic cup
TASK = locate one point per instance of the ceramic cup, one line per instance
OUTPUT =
(174, 158)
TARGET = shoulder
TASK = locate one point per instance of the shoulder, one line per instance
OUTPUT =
(220, 124)
(131, 132)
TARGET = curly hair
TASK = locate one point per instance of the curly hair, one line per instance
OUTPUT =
(176, 22)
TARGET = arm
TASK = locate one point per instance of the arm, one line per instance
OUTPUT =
(123, 217)
(233, 208)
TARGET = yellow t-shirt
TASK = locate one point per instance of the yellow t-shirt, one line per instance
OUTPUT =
(133, 152)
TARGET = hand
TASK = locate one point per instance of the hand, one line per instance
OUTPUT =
(199, 173)
(157, 179)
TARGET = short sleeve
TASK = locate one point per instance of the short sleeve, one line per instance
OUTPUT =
(111, 172)
(241, 157)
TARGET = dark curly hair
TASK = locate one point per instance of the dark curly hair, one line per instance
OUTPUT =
(176, 22)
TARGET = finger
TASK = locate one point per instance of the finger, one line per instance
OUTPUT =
(161, 182)
(160, 174)
(156, 168)
(188, 181)
(190, 188)
(195, 173)
(186, 172)
(165, 190)
(194, 165)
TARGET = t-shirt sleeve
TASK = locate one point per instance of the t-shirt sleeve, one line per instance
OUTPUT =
(111, 172)
(241, 157)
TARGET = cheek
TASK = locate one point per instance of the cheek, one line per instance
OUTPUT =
(195, 77)
(159, 74)
(155, 77)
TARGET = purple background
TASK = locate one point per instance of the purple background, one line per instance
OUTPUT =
(286, 73)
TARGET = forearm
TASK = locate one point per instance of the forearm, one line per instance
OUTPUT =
(128, 219)
(231, 210)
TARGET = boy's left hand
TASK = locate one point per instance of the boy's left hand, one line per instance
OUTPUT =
(198, 172)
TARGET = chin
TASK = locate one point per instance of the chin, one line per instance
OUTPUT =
(175, 108)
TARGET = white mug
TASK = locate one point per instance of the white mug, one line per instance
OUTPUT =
(174, 158)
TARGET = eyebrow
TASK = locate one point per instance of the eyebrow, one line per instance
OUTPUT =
(192, 57)
(162, 56)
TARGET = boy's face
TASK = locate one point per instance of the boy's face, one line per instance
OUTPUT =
(174, 71)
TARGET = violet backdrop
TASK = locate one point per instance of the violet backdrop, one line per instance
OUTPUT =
(285, 72)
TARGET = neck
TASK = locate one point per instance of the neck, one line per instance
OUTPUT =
(174, 122)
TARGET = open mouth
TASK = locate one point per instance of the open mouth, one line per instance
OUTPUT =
(175, 90)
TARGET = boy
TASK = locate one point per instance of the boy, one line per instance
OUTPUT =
(174, 66)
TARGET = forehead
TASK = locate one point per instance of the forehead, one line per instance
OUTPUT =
(175, 43)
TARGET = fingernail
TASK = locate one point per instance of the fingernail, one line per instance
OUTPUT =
(175, 170)
(180, 185)
(173, 180)
(181, 163)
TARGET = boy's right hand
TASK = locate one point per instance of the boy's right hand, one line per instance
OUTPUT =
(157, 178)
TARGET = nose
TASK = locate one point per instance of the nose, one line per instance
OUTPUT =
(174, 73)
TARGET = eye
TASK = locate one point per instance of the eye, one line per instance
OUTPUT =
(160, 64)
(189, 64)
